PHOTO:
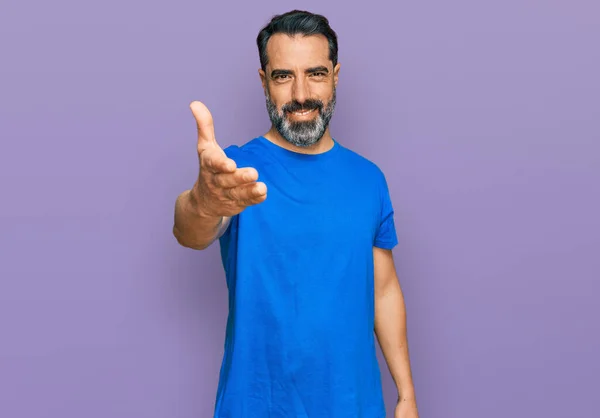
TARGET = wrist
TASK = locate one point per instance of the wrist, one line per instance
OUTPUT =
(213, 221)
(195, 204)
(406, 394)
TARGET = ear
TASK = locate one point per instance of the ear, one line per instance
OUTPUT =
(263, 78)
(336, 72)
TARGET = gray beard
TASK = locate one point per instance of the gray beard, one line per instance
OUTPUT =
(305, 133)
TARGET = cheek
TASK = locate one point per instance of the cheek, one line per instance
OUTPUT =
(323, 93)
(280, 101)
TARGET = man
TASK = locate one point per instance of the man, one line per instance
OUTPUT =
(309, 269)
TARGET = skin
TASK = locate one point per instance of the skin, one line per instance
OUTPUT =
(299, 68)
(390, 329)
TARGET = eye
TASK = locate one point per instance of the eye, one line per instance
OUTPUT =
(319, 74)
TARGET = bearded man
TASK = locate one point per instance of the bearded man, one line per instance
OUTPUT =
(309, 269)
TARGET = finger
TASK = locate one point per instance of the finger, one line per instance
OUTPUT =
(246, 193)
(216, 161)
(255, 201)
(237, 178)
(204, 124)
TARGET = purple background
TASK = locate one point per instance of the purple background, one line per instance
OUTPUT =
(483, 115)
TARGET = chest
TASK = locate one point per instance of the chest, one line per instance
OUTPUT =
(332, 209)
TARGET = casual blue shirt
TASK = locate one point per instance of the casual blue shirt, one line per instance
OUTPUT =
(300, 339)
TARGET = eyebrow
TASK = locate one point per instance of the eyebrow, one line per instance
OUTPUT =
(320, 68)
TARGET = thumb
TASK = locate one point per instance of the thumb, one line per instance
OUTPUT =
(204, 124)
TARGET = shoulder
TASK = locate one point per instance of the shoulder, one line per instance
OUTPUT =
(362, 165)
(368, 176)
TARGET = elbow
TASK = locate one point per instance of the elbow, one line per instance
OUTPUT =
(181, 240)
(388, 288)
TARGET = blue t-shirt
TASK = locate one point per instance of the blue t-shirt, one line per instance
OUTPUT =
(300, 339)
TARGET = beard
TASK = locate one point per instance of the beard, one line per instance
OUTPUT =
(301, 133)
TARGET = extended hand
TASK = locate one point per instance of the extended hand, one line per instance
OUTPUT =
(222, 189)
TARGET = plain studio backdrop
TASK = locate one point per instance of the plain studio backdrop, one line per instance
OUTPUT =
(484, 116)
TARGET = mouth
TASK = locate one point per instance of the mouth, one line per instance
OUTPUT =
(303, 113)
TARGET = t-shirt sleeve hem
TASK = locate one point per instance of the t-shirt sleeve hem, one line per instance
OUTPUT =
(386, 245)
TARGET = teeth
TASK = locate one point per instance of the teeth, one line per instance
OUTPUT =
(302, 113)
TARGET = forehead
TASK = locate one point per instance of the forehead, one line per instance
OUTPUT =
(298, 51)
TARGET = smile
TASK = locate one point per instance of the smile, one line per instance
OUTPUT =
(306, 112)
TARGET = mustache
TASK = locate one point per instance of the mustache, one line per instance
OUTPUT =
(309, 104)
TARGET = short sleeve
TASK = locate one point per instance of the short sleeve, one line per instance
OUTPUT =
(385, 236)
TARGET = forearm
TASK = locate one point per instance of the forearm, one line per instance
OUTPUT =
(191, 228)
(390, 328)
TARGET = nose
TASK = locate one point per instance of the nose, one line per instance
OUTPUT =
(300, 91)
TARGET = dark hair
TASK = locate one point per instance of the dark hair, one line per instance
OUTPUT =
(297, 22)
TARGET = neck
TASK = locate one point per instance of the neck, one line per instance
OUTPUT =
(323, 145)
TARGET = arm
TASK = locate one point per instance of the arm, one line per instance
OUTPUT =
(191, 228)
(221, 191)
(390, 323)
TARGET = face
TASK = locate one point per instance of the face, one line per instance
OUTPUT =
(299, 83)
